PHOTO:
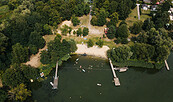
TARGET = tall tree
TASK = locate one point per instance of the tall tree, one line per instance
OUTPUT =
(85, 31)
(137, 27)
(19, 93)
(111, 32)
(123, 31)
(148, 24)
(19, 53)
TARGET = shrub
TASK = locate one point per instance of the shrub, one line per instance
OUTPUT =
(99, 43)
(90, 43)
(124, 41)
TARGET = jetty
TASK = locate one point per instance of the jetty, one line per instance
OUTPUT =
(116, 80)
(167, 67)
(55, 82)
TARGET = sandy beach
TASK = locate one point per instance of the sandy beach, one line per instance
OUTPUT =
(95, 50)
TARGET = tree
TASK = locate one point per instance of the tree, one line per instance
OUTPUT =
(124, 41)
(123, 11)
(113, 7)
(73, 46)
(30, 72)
(100, 43)
(74, 32)
(69, 30)
(85, 31)
(19, 93)
(114, 18)
(33, 49)
(19, 53)
(79, 31)
(94, 21)
(148, 24)
(142, 37)
(3, 43)
(106, 5)
(120, 54)
(137, 27)
(3, 95)
(37, 40)
(64, 30)
(111, 32)
(12, 77)
(86, 9)
(45, 57)
(101, 17)
(162, 53)
(47, 29)
(122, 31)
(75, 20)
(122, 22)
(90, 43)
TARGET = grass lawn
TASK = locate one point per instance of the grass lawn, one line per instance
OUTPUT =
(133, 17)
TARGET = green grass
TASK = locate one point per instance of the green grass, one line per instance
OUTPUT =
(133, 17)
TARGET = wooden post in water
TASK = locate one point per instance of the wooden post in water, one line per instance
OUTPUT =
(167, 67)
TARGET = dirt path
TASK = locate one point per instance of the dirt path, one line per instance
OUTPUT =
(1, 83)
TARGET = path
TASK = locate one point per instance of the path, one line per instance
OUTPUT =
(138, 11)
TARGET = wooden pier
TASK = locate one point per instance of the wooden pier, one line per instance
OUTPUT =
(55, 82)
(167, 67)
(116, 80)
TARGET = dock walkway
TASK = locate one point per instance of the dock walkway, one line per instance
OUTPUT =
(167, 67)
(116, 80)
(55, 82)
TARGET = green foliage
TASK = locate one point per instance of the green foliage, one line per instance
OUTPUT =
(74, 32)
(3, 95)
(69, 30)
(124, 41)
(19, 53)
(100, 43)
(64, 30)
(137, 27)
(101, 17)
(148, 24)
(123, 31)
(12, 77)
(114, 18)
(117, 41)
(85, 31)
(79, 32)
(73, 46)
(75, 20)
(47, 29)
(122, 22)
(3, 43)
(33, 49)
(30, 72)
(19, 93)
(94, 20)
(90, 43)
(37, 40)
(56, 50)
(111, 32)
(143, 51)
(45, 57)
(120, 54)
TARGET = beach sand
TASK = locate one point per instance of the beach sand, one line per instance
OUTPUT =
(95, 50)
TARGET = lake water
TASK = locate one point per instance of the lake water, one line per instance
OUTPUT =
(137, 84)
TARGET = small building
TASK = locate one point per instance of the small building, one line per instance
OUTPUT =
(154, 8)
(144, 6)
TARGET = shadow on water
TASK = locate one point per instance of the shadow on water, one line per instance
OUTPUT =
(147, 70)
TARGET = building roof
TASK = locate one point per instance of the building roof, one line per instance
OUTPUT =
(144, 5)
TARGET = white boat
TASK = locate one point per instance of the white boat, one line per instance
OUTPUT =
(99, 84)
(77, 59)
(83, 70)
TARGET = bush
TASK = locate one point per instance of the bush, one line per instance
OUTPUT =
(75, 20)
(117, 41)
(124, 41)
(99, 43)
(85, 31)
(90, 43)
(33, 49)
(79, 31)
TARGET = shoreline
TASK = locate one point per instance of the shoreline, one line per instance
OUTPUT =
(93, 51)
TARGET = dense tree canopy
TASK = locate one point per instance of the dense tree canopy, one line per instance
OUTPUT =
(123, 31)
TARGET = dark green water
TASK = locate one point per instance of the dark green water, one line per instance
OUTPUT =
(137, 85)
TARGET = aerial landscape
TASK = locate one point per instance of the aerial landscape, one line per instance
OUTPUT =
(86, 50)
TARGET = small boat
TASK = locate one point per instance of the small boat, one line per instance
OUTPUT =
(77, 59)
(83, 70)
(99, 84)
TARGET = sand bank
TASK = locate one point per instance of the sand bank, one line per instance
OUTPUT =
(95, 50)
